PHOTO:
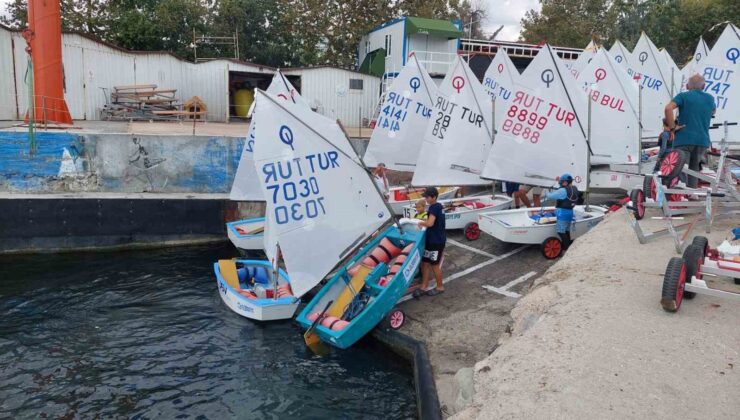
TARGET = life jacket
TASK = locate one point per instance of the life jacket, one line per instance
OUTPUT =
(421, 216)
(571, 198)
(396, 265)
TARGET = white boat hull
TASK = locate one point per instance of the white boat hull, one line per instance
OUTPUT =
(397, 206)
(462, 217)
(246, 242)
(605, 180)
(256, 309)
(515, 226)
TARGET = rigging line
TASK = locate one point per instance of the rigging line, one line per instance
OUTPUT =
(567, 94)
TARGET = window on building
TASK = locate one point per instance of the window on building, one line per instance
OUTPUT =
(355, 84)
(388, 44)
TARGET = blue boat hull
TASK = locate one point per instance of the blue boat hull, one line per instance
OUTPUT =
(383, 298)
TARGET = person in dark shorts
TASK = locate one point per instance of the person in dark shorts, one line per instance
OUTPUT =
(434, 244)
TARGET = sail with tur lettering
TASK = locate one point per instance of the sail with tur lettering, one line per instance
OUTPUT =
(692, 67)
(245, 186)
(614, 116)
(649, 68)
(458, 136)
(320, 199)
(582, 61)
(543, 134)
(499, 81)
(404, 114)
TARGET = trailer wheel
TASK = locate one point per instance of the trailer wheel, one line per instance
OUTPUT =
(648, 187)
(552, 248)
(396, 319)
(674, 282)
(673, 163)
(702, 242)
(693, 257)
(638, 203)
(472, 231)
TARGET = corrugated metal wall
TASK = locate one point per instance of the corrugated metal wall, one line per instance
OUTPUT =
(90, 66)
(327, 89)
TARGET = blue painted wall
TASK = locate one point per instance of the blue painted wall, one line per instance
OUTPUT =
(119, 163)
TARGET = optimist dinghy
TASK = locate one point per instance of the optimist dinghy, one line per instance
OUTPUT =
(401, 197)
(247, 235)
(462, 213)
(537, 226)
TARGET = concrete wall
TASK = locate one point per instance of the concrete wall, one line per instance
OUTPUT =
(67, 162)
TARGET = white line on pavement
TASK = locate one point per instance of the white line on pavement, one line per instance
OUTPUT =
(473, 268)
(470, 248)
(505, 290)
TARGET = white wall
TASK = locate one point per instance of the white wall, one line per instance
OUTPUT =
(90, 65)
(327, 88)
(433, 52)
(376, 40)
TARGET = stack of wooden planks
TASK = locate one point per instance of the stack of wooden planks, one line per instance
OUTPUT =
(145, 102)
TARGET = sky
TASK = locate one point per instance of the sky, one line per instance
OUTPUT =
(500, 12)
(508, 13)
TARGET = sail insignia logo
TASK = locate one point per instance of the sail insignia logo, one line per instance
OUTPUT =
(548, 77)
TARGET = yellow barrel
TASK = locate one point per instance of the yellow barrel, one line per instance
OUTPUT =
(243, 99)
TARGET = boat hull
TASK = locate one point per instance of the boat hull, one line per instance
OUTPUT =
(461, 218)
(246, 242)
(382, 302)
(256, 309)
(515, 226)
(398, 205)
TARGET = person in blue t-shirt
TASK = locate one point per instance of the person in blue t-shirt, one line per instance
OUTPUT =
(695, 111)
(565, 198)
(435, 241)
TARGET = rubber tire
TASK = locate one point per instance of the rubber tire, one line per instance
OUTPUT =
(547, 249)
(702, 242)
(638, 203)
(403, 319)
(647, 183)
(693, 257)
(678, 159)
(673, 284)
(472, 231)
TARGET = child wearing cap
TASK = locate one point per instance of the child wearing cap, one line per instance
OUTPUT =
(435, 241)
(566, 198)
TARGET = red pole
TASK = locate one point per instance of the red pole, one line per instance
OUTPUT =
(44, 37)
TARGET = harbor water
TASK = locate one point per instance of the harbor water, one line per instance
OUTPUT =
(144, 334)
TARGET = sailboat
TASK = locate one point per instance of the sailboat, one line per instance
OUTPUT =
(620, 54)
(400, 128)
(583, 60)
(720, 70)
(248, 234)
(692, 67)
(327, 212)
(499, 81)
(542, 137)
(649, 68)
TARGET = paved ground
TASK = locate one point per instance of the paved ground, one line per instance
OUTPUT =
(484, 279)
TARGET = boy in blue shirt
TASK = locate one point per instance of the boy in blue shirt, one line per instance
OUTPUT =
(665, 141)
(435, 240)
(565, 198)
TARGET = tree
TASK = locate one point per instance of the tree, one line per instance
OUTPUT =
(570, 23)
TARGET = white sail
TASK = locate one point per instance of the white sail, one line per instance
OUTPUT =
(582, 61)
(614, 114)
(720, 70)
(499, 81)
(672, 73)
(543, 134)
(245, 186)
(320, 199)
(399, 130)
(649, 68)
(620, 54)
(458, 137)
(692, 67)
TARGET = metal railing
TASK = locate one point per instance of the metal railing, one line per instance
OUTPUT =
(513, 49)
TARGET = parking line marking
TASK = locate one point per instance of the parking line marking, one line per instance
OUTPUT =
(473, 268)
(470, 248)
(505, 290)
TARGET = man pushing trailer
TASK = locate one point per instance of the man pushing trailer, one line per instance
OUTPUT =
(695, 111)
